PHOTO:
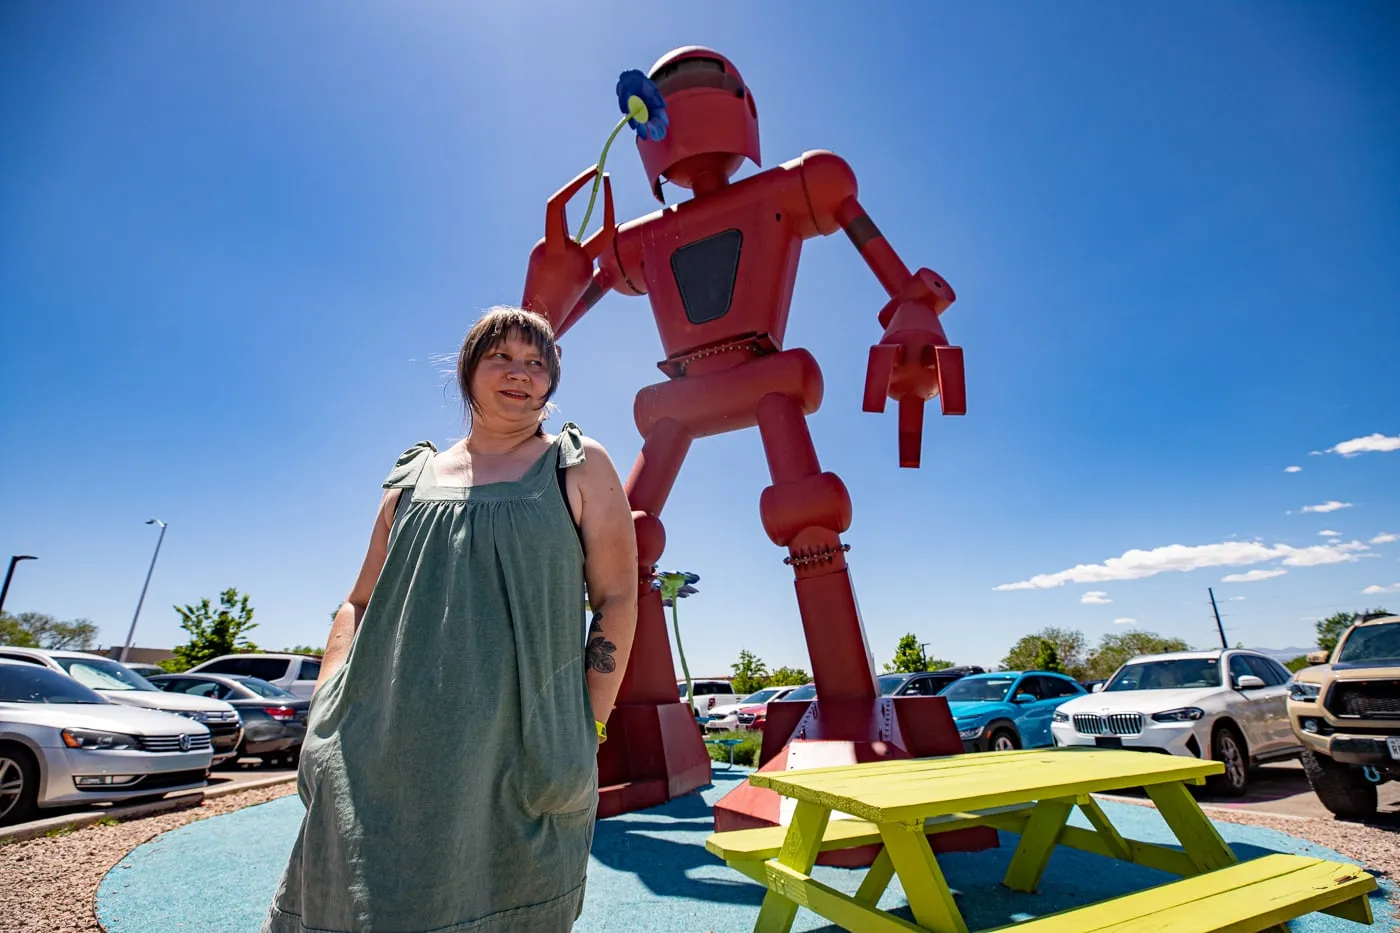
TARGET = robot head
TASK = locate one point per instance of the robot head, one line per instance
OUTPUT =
(714, 121)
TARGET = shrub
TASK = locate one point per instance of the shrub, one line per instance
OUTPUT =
(745, 753)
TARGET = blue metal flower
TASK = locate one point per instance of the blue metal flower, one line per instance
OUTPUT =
(638, 97)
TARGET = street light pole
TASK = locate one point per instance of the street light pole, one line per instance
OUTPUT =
(10, 573)
(131, 633)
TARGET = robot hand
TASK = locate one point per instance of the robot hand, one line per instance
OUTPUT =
(560, 267)
(913, 361)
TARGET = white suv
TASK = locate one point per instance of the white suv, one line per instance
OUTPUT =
(295, 673)
(708, 695)
(1228, 706)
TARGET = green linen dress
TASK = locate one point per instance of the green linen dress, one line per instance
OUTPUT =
(449, 770)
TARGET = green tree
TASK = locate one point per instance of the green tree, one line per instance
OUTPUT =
(15, 634)
(37, 630)
(908, 656)
(1069, 646)
(750, 673)
(788, 677)
(1331, 629)
(1113, 650)
(213, 632)
(1298, 663)
(305, 649)
(1047, 659)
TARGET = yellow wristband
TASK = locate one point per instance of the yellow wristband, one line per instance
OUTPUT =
(602, 730)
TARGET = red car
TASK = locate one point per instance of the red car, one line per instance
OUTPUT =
(753, 717)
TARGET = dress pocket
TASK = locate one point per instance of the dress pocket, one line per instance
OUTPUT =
(558, 760)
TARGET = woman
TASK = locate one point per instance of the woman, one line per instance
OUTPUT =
(449, 770)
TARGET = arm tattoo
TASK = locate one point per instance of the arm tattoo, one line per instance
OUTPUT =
(598, 656)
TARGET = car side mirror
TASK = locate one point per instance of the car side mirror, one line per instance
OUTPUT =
(1023, 698)
(1317, 657)
(1248, 682)
(1098, 688)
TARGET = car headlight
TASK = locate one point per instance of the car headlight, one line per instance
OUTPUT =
(1060, 717)
(98, 741)
(1304, 692)
(969, 730)
(1184, 714)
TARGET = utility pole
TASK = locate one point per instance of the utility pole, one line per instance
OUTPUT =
(923, 658)
(131, 632)
(1216, 610)
(15, 559)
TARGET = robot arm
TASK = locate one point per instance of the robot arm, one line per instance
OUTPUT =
(913, 360)
(560, 282)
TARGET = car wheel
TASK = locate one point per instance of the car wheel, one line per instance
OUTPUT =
(1340, 788)
(1228, 748)
(1003, 740)
(19, 785)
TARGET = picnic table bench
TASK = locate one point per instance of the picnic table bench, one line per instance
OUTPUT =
(1031, 793)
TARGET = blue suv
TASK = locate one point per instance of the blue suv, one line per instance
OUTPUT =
(1008, 709)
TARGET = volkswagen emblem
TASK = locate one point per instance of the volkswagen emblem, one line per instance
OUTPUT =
(184, 741)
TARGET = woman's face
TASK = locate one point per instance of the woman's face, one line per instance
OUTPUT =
(511, 382)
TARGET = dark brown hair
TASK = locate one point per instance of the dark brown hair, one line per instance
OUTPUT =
(494, 328)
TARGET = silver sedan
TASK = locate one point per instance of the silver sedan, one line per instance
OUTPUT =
(62, 744)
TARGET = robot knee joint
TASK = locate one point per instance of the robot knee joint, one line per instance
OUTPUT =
(816, 501)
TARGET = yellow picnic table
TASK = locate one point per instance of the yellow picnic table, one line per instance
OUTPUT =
(1031, 792)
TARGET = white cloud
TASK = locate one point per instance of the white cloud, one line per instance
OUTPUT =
(1235, 599)
(1125, 621)
(1330, 534)
(1386, 538)
(1095, 598)
(1330, 506)
(1253, 576)
(1181, 558)
(1293, 469)
(1377, 590)
(1371, 443)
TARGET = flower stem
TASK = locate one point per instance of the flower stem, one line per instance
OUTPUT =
(602, 160)
(685, 668)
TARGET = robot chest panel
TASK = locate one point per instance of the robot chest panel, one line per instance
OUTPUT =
(719, 276)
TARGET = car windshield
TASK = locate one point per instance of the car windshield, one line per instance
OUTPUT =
(978, 689)
(1171, 674)
(101, 674)
(889, 683)
(262, 688)
(1371, 643)
(25, 683)
(762, 696)
(805, 692)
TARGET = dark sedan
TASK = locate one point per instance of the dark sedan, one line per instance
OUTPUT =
(274, 721)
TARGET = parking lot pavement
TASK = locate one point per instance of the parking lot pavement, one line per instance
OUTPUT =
(1283, 789)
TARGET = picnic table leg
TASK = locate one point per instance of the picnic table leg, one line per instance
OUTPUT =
(1199, 838)
(876, 879)
(929, 896)
(1038, 840)
(800, 848)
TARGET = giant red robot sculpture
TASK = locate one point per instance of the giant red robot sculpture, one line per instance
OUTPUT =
(719, 271)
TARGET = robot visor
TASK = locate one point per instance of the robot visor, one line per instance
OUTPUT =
(691, 73)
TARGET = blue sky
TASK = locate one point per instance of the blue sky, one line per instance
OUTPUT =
(236, 241)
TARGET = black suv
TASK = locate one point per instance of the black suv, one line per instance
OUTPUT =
(926, 684)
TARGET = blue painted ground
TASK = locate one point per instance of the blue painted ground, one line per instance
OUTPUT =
(650, 871)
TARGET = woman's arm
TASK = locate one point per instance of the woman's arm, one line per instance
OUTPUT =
(347, 618)
(610, 569)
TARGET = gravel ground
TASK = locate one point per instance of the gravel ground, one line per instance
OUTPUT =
(49, 885)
